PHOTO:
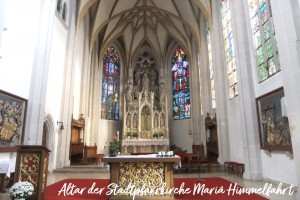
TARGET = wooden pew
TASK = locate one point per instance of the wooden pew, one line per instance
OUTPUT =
(90, 155)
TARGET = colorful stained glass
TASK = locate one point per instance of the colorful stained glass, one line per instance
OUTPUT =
(252, 9)
(263, 13)
(264, 39)
(261, 2)
(269, 48)
(181, 89)
(263, 72)
(255, 23)
(267, 31)
(278, 62)
(257, 39)
(260, 55)
(229, 48)
(271, 66)
(110, 85)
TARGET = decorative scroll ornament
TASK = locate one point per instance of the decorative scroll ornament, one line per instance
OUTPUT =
(148, 175)
(29, 169)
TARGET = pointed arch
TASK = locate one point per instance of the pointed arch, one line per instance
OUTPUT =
(49, 130)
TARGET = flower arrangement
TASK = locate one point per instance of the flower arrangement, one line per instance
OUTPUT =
(129, 135)
(114, 147)
(155, 135)
(134, 135)
(21, 190)
(160, 134)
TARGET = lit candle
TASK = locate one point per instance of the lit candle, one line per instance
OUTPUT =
(118, 137)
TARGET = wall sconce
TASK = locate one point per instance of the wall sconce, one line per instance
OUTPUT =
(61, 127)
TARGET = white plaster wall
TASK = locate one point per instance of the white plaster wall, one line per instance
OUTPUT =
(78, 66)
(17, 50)
(19, 44)
(179, 134)
(55, 82)
(3, 5)
(280, 167)
(274, 164)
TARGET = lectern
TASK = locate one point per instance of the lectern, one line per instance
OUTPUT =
(32, 166)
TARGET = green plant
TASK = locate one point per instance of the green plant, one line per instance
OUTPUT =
(155, 135)
(160, 134)
(174, 148)
(135, 134)
(114, 146)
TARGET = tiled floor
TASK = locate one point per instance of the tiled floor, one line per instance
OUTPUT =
(55, 177)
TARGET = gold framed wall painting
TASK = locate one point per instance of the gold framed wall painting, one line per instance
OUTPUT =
(12, 120)
(273, 122)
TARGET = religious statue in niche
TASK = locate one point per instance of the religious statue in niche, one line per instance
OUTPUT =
(128, 121)
(129, 93)
(162, 94)
(145, 82)
(155, 121)
(145, 118)
(137, 79)
(134, 121)
(162, 121)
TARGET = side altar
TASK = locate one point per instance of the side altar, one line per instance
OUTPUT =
(144, 125)
(143, 173)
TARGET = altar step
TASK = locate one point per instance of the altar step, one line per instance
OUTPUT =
(82, 169)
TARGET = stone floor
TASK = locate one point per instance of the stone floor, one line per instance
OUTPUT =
(97, 172)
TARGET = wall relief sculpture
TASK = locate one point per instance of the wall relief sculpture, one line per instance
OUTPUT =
(12, 120)
(273, 122)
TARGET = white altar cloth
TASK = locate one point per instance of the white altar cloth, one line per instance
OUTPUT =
(145, 142)
(7, 167)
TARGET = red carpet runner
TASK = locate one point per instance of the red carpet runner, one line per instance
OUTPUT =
(96, 189)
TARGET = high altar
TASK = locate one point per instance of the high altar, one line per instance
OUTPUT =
(145, 128)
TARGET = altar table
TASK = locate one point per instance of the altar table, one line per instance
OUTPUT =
(142, 171)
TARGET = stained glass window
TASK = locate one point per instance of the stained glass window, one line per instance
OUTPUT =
(180, 85)
(264, 38)
(211, 72)
(110, 85)
(229, 48)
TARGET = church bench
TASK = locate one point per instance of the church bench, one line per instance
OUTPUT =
(234, 168)
(183, 159)
(90, 155)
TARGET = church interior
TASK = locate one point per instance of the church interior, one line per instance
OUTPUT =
(217, 78)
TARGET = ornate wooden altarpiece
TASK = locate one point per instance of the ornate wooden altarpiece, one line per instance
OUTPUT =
(32, 166)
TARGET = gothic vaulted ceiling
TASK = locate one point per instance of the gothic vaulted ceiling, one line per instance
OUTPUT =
(140, 22)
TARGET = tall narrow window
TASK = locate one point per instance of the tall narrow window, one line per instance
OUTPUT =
(110, 85)
(181, 87)
(211, 72)
(64, 11)
(264, 38)
(58, 6)
(229, 48)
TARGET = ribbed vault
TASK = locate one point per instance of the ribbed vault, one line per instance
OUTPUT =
(139, 22)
